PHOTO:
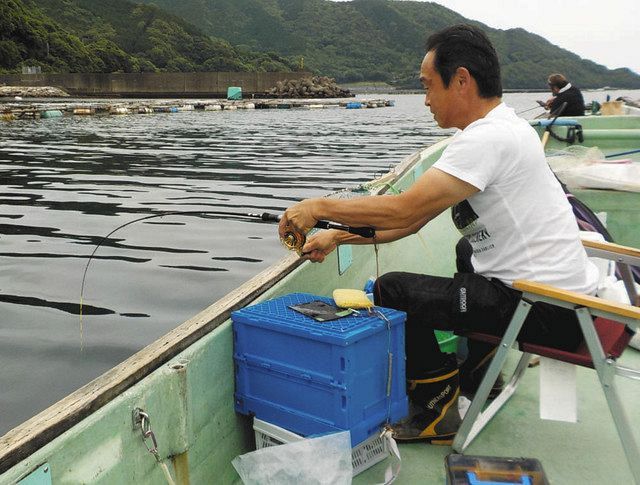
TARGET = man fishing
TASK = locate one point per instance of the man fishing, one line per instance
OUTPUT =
(564, 93)
(513, 215)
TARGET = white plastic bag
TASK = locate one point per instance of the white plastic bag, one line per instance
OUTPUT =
(582, 167)
(614, 289)
(315, 461)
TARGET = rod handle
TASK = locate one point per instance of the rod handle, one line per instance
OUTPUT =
(367, 232)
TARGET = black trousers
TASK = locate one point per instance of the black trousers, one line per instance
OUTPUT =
(468, 301)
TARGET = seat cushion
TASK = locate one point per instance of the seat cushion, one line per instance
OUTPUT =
(614, 337)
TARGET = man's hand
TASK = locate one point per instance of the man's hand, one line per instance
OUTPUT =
(298, 218)
(320, 245)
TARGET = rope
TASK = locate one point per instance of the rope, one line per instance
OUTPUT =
(392, 472)
(167, 473)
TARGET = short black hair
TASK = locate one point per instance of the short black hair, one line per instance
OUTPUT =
(467, 46)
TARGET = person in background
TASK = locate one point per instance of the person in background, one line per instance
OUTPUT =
(513, 215)
(564, 92)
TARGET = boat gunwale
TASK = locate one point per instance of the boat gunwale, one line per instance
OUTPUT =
(25, 439)
(22, 441)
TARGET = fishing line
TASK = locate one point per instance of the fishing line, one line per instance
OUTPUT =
(292, 240)
(152, 216)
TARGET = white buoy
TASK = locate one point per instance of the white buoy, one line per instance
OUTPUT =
(18, 98)
(119, 110)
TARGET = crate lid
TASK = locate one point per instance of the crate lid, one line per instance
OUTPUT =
(345, 330)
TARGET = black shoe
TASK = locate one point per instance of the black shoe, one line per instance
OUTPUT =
(433, 412)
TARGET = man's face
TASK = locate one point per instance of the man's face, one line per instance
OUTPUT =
(438, 98)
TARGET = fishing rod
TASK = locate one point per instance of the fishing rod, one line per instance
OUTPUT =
(530, 109)
(622, 153)
(292, 240)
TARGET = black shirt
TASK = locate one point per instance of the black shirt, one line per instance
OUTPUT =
(574, 100)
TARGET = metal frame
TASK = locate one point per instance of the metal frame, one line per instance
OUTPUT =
(476, 419)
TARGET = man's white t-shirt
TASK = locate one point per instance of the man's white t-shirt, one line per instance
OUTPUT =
(520, 223)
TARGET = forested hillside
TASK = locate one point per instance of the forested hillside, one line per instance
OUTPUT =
(359, 40)
(115, 36)
(379, 40)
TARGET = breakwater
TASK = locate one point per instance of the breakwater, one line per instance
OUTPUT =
(13, 111)
(155, 84)
(32, 92)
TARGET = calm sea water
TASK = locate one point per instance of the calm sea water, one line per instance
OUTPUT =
(68, 182)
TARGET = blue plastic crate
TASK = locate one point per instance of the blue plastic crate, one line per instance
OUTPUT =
(317, 377)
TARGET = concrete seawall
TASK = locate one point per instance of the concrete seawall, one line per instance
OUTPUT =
(155, 84)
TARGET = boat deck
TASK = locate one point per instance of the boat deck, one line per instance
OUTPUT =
(588, 451)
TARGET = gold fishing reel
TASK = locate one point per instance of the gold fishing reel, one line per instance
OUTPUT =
(294, 241)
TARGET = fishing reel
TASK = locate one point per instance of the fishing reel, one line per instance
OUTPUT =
(294, 241)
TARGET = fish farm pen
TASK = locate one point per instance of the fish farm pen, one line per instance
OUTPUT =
(13, 111)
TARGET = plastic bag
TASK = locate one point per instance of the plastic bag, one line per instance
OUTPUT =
(614, 289)
(584, 167)
(315, 461)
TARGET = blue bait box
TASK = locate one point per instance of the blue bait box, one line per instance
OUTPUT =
(315, 377)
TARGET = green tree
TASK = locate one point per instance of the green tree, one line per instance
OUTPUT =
(10, 54)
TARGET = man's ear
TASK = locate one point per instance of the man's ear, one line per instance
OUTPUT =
(462, 77)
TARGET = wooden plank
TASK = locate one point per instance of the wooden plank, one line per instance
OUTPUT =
(578, 298)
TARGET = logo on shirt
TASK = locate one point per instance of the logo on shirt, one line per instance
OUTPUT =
(467, 222)
(463, 215)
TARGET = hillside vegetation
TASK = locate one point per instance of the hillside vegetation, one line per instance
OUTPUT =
(115, 36)
(379, 40)
(359, 40)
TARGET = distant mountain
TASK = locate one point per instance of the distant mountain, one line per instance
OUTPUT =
(360, 40)
(380, 40)
(115, 35)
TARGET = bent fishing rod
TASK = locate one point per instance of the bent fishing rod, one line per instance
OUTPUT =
(291, 240)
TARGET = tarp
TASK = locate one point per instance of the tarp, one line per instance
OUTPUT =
(234, 92)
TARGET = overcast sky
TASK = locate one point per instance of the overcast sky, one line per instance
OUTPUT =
(606, 32)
